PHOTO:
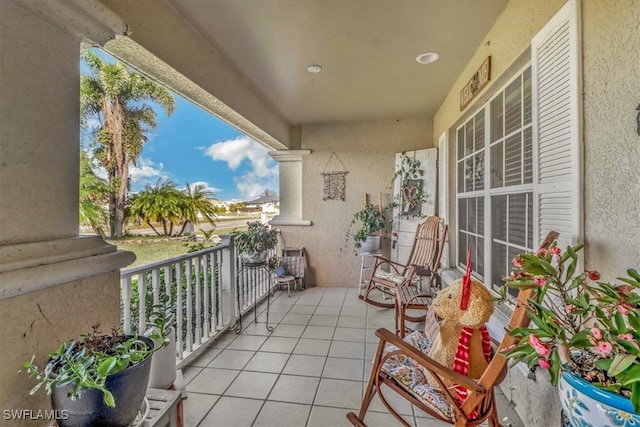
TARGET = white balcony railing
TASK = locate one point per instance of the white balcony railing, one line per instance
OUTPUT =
(207, 292)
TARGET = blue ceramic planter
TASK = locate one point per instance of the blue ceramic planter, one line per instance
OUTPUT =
(588, 406)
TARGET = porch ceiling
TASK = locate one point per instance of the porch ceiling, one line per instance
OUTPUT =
(367, 50)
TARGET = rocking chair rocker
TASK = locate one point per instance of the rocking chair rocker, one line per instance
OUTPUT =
(442, 403)
(424, 260)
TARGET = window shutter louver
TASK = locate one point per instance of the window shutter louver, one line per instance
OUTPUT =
(557, 157)
(443, 192)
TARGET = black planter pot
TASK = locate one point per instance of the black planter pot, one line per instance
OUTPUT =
(128, 387)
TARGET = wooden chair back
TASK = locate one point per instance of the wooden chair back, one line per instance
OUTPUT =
(428, 243)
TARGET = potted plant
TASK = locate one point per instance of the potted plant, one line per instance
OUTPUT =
(98, 380)
(161, 330)
(410, 198)
(253, 243)
(369, 220)
(585, 332)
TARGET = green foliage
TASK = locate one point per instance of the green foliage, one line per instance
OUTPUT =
(367, 221)
(410, 196)
(94, 195)
(256, 238)
(164, 203)
(162, 322)
(116, 99)
(86, 364)
(579, 323)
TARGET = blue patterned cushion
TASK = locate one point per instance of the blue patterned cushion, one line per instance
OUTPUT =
(408, 374)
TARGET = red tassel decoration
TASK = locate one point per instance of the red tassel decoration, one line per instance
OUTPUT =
(466, 284)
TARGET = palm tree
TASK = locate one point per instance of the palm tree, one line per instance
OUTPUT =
(117, 98)
(159, 203)
(196, 203)
(94, 193)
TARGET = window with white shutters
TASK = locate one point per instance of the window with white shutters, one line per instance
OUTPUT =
(555, 59)
(497, 139)
(519, 158)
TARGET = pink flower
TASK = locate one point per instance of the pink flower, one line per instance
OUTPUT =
(544, 363)
(624, 308)
(628, 338)
(603, 348)
(517, 262)
(597, 333)
(539, 281)
(541, 251)
(625, 289)
(569, 308)
(538, 346)
(593, 275)
(556, 250)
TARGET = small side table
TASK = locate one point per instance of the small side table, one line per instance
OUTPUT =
(163, 407)
(366, 266)
(253, 270)
(287, 280)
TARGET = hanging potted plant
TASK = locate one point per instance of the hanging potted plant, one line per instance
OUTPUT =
(408, 202)
(370, 221)
(585, 332)
(254, 242)
(162, 331)
(98, 380)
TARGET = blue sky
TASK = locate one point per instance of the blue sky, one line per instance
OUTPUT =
(193, 146)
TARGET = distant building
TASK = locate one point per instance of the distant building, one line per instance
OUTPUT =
(267, 204)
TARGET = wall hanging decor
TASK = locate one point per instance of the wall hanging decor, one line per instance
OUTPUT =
(411, 195)
(334, 179)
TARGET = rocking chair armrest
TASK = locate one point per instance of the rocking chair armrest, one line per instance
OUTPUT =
(383, 260)
(431, 365)
(419, 295)
(393, 264)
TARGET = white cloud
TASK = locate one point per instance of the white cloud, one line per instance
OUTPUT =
(146, 172)
(264, 171)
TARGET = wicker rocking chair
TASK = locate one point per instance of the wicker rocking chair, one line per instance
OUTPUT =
(424, 260)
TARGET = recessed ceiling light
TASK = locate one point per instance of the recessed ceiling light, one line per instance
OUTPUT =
(314, 69)
(427, 58)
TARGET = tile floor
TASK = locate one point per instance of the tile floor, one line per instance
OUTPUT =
(310, 371)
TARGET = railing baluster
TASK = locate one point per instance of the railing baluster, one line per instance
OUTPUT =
(213, 290)
(168, 279)
(205, 295)
(189, 340)
(142, 302)
(179, 310)
(126, 305)
(198, 283)
(155, 282)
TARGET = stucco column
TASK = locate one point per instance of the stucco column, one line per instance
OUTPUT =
(54, 284)
(290, 194)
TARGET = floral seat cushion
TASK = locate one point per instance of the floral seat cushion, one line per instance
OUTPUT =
(408, 374)
(398, 279)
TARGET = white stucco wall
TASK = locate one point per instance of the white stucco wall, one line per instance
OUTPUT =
(367, 150)
(611, 87)
(53, 284)
(38, 107)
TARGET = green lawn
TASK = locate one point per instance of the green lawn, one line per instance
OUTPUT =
(150, 249)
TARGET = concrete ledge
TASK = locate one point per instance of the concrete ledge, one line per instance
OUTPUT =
(28, 267)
